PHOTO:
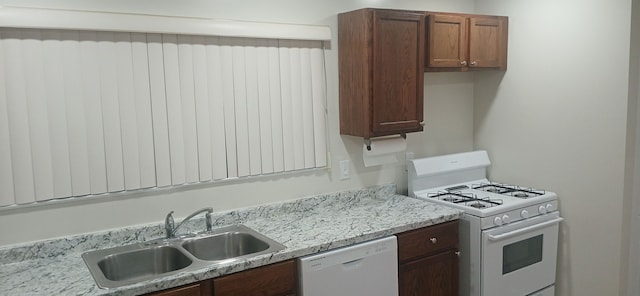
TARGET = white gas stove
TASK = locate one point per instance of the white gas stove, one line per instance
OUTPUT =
(508, 234)
(495, 203)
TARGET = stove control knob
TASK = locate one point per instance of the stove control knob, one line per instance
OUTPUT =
(549, 207)
(524, 214)
(505, 219)
(497, 221)
(542, 210)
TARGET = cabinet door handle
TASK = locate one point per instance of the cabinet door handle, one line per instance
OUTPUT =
(433, 240)
(422, 123)
(474, 63)
(458, 253)
(464, 63)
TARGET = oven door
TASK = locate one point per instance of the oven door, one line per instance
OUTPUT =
(520, 258)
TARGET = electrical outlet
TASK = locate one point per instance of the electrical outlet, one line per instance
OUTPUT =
(344, 169)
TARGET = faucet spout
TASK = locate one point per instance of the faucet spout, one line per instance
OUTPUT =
(171, 229)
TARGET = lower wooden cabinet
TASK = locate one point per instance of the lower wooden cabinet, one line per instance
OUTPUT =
(428, 261)
(278, 279)
(198, 289)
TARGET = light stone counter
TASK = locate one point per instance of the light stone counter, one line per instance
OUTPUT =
(305, 226)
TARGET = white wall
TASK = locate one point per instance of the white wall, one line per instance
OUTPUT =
(557, 120)
(632, 204)
(448, 113)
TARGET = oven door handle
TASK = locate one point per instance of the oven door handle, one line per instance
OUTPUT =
(524, 230)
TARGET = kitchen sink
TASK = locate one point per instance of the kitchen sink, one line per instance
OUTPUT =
(143, 263)
(125, 265)
(231, 244)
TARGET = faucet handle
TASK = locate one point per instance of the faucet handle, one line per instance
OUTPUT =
(209, 222)
(169, 224)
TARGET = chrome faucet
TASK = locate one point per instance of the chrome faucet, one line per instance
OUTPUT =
(171, 229)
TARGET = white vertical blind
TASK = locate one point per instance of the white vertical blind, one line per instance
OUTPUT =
(85, 112)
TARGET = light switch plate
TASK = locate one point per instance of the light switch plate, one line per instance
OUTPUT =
(344, 169)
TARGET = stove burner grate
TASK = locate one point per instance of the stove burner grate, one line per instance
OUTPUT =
(466, 199)
(512, 190)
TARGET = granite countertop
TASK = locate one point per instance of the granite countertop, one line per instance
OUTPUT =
(304, 226)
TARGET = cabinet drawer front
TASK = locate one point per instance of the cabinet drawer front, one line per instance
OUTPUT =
(275, 279)
(424, 241)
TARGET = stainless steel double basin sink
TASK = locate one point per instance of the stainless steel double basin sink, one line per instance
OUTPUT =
(130, 264)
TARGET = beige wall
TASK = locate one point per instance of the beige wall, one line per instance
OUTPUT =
(557, 120)
(448, 112)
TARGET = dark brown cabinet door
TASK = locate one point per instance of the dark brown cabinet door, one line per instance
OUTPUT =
(435, 275)
(429, 261)
(397, 72)
(487, 42)
(381, 53)
(279, 279)
(200, 289)
(447, 41)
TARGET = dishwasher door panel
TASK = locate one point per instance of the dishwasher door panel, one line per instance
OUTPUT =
(369, 268)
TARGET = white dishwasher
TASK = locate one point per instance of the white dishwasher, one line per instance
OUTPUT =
(367, 269)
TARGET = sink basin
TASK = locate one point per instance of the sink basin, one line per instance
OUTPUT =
(125, 265)
(231, 244)
(143, 263)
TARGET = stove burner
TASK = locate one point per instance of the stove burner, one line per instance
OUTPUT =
(450, 198)
(521, 195)
(493, 189)
(478, 205)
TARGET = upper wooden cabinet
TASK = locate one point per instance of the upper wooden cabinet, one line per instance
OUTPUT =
(461, 42)
(381, 58)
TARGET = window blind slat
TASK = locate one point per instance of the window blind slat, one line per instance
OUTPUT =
(216, 109)
(187, 99)
(202, 108)
(253, 105)
(286, 105)
(319, 109)
(174, 109)
(38, 115)
(18, 117)
(240, 100)
(127, 104)
(110, 112)
(264, 106)
(93, 111)
(307, 106)
(77, 128)
(57, 114)
(296, 104)
(159, 110)
(6, 167)
(144, 119)
(275, 93)
(226, 58)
